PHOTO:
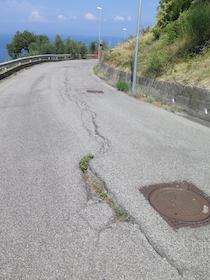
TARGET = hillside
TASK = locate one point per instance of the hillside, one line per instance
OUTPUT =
(176, 49)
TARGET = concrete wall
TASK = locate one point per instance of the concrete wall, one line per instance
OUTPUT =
(193, 100)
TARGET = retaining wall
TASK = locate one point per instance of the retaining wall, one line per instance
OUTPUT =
(193, 100)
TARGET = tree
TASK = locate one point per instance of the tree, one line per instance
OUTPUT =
(82, 50)
(40, 45)
(104, 46)
(196, 25)
(93, 47)
(170, 10)
(72, 47)
(21, 41)
(59, 45)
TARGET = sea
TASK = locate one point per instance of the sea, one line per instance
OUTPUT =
(7, 38)
(4, 40)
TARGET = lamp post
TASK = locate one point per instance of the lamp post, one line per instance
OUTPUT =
(125, 32)
(136, 47)
(99, 32)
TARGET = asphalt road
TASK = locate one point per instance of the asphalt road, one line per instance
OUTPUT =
(49, 226)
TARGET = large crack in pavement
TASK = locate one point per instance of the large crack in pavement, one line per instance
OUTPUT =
(96, 186)
(91, 180)
(88, 117)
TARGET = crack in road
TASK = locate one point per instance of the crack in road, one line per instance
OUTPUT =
(157, 251)
(133, 221)
(90, 117)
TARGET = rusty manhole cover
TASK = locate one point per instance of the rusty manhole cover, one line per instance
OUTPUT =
(179, 203)
(94, 91)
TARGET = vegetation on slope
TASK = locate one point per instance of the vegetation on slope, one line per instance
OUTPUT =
(177, 48)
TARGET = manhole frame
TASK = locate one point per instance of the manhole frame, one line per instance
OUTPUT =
(95, 91)
(175, 223)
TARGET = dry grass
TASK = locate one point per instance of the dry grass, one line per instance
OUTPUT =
(121, 56)
(97, 186)
(192, 71)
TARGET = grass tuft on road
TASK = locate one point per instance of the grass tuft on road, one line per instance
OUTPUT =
(84, 162)
(97, 186)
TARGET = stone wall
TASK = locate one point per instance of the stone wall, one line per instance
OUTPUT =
(193, 100)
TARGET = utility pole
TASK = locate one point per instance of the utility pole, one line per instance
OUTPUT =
(124, 33)
(99, 32)
(136, 47)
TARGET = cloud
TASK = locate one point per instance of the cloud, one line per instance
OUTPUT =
(90, 17)
(129, 18)
(73, 17)
(61, 17)
(35, 16)
(119, 18)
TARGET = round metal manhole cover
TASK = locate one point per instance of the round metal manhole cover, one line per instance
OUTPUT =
(180, 204)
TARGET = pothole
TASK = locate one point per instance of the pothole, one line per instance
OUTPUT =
(180, 204)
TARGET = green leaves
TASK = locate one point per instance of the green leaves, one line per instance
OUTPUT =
(93, 47)
(59, 45)
(20, 42)
(84, 162)
(170, 10)
(75, 48)
(40, 44)
(184, 19)
(197, 24)
(122, 86)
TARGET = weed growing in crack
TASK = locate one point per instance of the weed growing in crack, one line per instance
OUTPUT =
(103, 195)
(97, 186)
(84, 162)
(121, 213)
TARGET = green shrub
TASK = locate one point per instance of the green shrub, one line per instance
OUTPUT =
(83, 50)
(171, 32)
(196, 25)
(156, 63)
(156, 32)
(122, 86)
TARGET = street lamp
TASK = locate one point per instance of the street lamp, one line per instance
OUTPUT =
(99, 32)
(136, 47)
(125, 32)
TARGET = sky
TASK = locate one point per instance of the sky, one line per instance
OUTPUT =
(74, 17)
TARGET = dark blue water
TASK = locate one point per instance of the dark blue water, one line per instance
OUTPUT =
(4, 40)
(7, 38)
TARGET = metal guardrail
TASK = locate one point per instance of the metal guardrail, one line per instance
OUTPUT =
(12, 66)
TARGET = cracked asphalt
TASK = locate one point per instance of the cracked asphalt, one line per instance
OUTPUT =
(50, 225)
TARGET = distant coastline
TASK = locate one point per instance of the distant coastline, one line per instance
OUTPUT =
(6, 39)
